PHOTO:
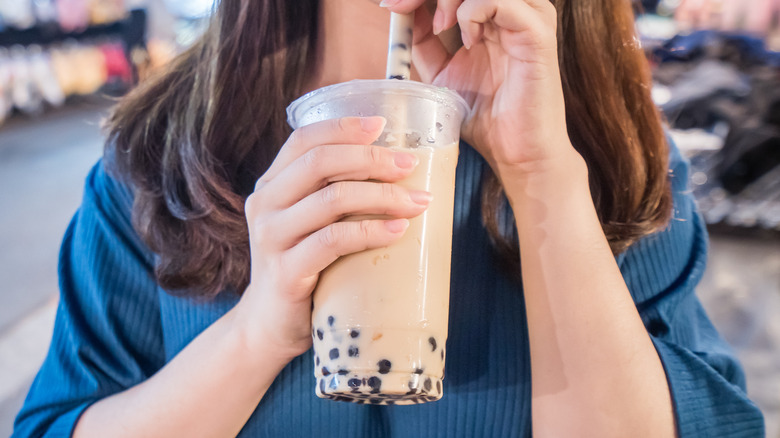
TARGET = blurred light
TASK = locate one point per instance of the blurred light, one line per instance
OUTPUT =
(661, 94)
(190, 8)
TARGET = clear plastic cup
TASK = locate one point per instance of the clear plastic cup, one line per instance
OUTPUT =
(380, 316)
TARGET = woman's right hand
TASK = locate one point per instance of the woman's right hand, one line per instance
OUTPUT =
(324, 173)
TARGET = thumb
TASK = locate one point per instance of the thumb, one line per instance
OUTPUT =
(429, 54)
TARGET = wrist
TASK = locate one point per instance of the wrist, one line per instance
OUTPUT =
(250, 341)
(563, 174)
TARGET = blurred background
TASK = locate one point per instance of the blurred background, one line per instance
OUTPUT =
(716, 65)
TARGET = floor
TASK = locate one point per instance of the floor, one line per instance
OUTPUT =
(42, 168)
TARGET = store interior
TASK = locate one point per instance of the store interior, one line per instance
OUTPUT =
(63, 63)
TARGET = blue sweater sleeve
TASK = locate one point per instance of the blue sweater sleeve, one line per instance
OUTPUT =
(662, 270)
(107, 334)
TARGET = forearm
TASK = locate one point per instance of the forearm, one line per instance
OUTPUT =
(594, 368)
(208, 390)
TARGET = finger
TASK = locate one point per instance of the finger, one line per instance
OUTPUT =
(326, 164)
(445, 16)
(345, 199)
(345, 130)
(319, 250)
(402, 6)
(429, 55)
(474, 14)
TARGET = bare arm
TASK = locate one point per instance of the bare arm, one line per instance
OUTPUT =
(180, 400)
(594, 367)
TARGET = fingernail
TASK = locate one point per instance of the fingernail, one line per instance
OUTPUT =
(404, 160)
(420, 197)
(372, 124)
(466, 40)
(397, 225)
(388, 3)
(438, 22)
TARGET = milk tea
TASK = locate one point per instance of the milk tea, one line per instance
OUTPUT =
(380, 316)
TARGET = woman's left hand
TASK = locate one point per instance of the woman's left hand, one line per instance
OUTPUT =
(507, 71)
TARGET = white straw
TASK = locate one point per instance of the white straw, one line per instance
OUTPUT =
(399, 50)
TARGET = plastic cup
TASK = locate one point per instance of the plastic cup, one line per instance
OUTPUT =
(379, 321)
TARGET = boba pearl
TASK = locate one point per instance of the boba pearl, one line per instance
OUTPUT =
(354, 383)
(334, 354)
(384, 366)
(354, 333)
(428, 384)
(322, 386)
(438, 386)
(418, 371)
(343, 372)
(316, 360)
(432, 341)
(353, 351)
(325, 371)
(331, 320)
(374, 383)
(320, 334)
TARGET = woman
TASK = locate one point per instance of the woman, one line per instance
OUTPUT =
(194, 321)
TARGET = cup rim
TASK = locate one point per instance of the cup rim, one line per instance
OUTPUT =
(443, 95)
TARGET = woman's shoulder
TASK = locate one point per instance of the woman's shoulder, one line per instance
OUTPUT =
(108, 204)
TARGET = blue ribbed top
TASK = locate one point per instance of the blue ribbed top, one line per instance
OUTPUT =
(115, 327)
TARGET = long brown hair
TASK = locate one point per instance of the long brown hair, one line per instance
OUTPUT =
(193, 140)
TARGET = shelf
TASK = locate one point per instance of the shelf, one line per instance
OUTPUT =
(49, 34)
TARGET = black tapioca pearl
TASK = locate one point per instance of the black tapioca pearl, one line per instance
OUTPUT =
(418, 371)
(428, 384)
(317, 360)
(438, 386)
(325, 371)
(375, 401)
(360, 402)
(411, 392)
(374, 383)
(384, 366)
(354, 383)
(322, 386)
(442, 354)
(320, 334)
(331, 320)
(353, 351)
(354, 333)
(432, 341)
(343, 372)
(399, 77)
(390, 402)
(334, 354)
